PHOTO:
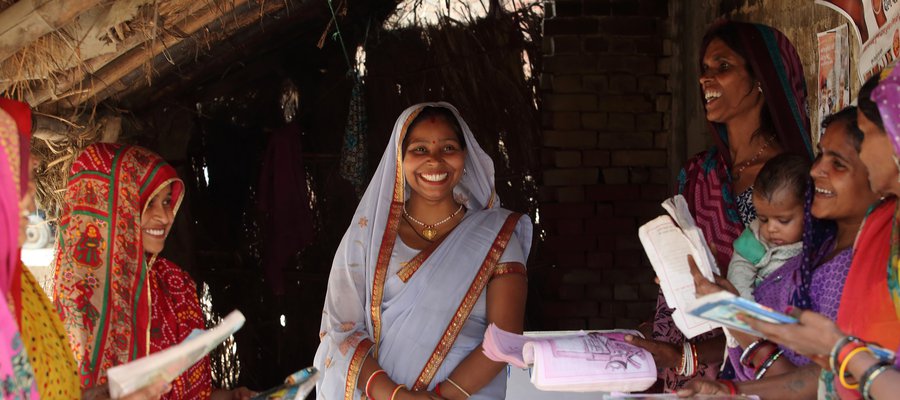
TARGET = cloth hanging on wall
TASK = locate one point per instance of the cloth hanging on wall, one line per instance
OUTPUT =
(354, 160)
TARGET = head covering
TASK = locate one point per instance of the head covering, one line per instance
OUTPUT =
(777, 66)
(887, 97)
(15, 136)
(100, 268)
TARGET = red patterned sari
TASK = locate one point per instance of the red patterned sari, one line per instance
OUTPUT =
(117, 302)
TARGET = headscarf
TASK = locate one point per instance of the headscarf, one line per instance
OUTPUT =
(100, 268)
(887, 97)
(16, 374)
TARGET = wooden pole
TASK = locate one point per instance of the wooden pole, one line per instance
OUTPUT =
(27, 20)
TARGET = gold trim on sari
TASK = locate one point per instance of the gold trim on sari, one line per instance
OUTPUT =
(355, 367)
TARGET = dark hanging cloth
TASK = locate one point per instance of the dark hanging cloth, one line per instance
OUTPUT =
(354, 160)
(284, 205)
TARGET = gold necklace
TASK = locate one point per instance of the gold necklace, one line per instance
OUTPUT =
(737, 174)
(429, 231)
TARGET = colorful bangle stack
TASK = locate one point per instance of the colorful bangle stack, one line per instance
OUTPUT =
(841, 347)
(751, 350)
(372, 378)
(761, 371)
(869, 376)
(397, 389)
(842, 371)
(690, 363)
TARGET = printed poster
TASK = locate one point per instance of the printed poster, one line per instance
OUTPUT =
(834, 72)
(877, 24)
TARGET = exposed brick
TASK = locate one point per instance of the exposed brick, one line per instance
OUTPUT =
(570, 194)
(598, 121)
(569, 226)
(663, 102)
(597, 7)
(654, 192)
(612, 192)
(566, 159)
(640, 175)
(563, 243)
(649, 45)
(599, 259)
(596, 83)
(630, 7)
(599, 292)
(564, 120)
(547, 156)
(571, 292)
(570, 26)
(596, 44)
(625, 292)
(649, 122)
(615, 176)
(641, 309)
(625, 103)
(664, 66)
(639, 158)
(667, 47)
(583, 276)
(567, 83)
(547, 45)
(661, 176)
(629, 26)
(621, 122)
(652, 84)
(657, 8)
(571, 324)
(622, 83)
(571, 64)
(606, 243)
(571, 259)
(613, 309)
(556, 309)
(571, 176)
(600, 226)
(553, 211)
(546, 194)
(629, 258)
(571, 102)
(595, 158)
(569, 44)
(604, 210)
(623, 140)
(628, 242)
(636, 64)
(648, 291)
(661, 139)
(570, 139)
(622, 46)
(638, 208)
(567, 8)
(601, 323)
(630, 322)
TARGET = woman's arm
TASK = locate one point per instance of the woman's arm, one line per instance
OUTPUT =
(799, 384)
(505, 308)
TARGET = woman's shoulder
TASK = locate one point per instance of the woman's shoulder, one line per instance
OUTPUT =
(167, 269)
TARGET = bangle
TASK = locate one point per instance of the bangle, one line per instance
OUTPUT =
(768, 364)
(750, 351)
(869, 376)
(372, 378)
(696, 365)
(844, 364)
(450, 381)
(756, 368)
(833, 360)
(397, 389)
(437, 389)
(732, 387)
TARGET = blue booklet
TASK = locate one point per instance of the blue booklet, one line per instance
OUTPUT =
(724, 308)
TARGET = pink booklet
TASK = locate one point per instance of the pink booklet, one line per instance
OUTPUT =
(575, 361)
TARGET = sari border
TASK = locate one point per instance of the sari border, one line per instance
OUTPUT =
(407, 271)
(509, 268)
(362, 350)
(468, 303)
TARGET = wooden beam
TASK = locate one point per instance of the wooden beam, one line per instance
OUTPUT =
(27, 20)
(133, 59)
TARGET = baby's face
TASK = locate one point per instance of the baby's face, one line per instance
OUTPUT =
(780, 218)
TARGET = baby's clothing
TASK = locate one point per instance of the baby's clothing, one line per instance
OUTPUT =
(754, 259)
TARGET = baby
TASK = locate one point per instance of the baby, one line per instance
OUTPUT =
(776, 234)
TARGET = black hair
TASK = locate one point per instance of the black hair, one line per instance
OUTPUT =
(784, 171)
(429, 112)
(849, 117)
(867, 106)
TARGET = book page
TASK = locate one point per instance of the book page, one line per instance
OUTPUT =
(592, 361)
(503, 346)
(667, 248)
(678, 209)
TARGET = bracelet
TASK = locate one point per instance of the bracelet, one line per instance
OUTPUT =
(397, 389)
(843, 369)
(696, 359)
(372, 378)
(774, 349)
(732, 387)
(458, 387)
(869, 376)
(437, 389)
(768, 364)
(833, 360)
(747, 355)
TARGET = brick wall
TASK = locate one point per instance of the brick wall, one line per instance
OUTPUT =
(605, 157)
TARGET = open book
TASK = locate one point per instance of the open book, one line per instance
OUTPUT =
(166, 365)
(295, 387)
(668, 240)
(575, 361)
(724, 308)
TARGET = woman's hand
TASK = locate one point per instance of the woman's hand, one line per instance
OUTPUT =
(420, 395)
(813, 335)
(703, 386)
(666, 355)
(703, 286)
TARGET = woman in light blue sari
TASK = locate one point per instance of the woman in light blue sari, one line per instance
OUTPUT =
(429, 260)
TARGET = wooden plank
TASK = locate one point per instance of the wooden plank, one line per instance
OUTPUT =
(27, 20)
